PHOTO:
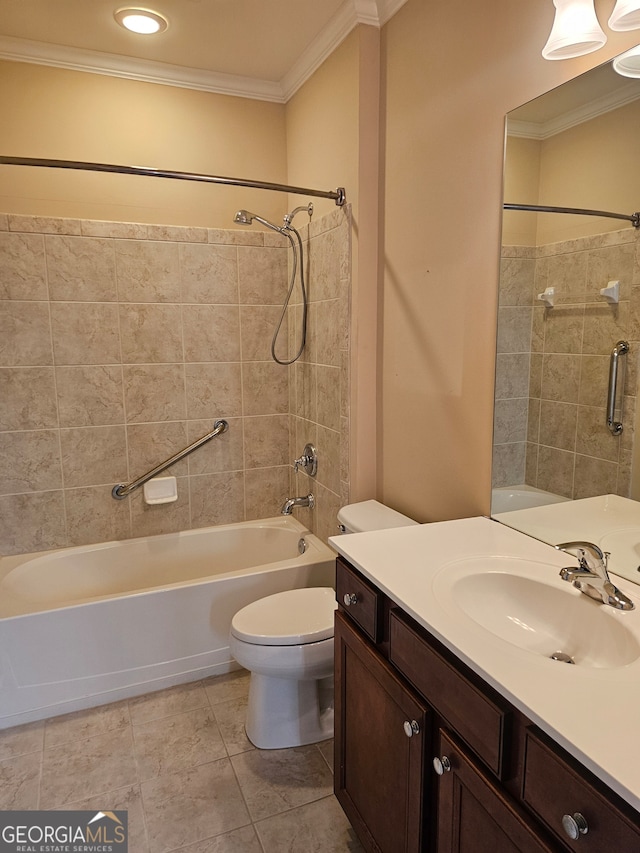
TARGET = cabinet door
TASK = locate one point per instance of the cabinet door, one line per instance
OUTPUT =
(380, 733)
(474, 816)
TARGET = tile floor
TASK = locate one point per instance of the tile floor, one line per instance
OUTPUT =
(180, 763)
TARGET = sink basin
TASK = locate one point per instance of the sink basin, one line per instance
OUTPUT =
(525, 604)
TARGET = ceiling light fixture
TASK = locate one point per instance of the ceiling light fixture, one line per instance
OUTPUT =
(628, 64)
(575, 30)
(626, 15)
(143, 21)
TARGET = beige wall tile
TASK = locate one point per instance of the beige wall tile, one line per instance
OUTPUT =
(306, 390)
(29, 461)
(328, 447)
(266, 441)
(563, 329)
(558, 424)
(85, 333)
(593, 435)
(262, 275)
(32, 522)
(150, 444)
(517, 277)
(25, 333)
(94, 516)
(328, 504)
(258, 324)
(324, 266)
(209, 274)
(213, 391)
(156, 519)
(567, 273)
(81, 269)
(328, 396)
(594, 477)
(147, 271)
(23, 266)
(266, 489)
(151, 333)
(126, 230)
(27, 398)
(608, 264)
(154, 392)
(510, 420)
(265, 388)
(330, 329)
(93, 455)
(512, 375)
(594, 380)
(514, 329)
(211, 333)
(604, 326)
(555, 471)
(44, 224)
(217, 498)
(177, 233)
(90, 395)
(508, 466)
(222, 453)
(561, 377)
(236, 237)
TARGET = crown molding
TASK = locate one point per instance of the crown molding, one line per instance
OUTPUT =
(130, 68)
(543, 130)
(352, 12)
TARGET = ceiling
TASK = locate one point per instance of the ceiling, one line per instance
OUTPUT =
(250, 48)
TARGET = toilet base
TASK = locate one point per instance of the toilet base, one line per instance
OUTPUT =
(285, 712)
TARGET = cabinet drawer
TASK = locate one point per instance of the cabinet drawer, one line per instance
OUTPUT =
(361, 600)
(478, 718)
(552, 788)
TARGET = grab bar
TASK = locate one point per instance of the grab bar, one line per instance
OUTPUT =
(621, 348)
(123, 490)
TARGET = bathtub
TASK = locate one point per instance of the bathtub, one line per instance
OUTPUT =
(511, 498)
(83, 626)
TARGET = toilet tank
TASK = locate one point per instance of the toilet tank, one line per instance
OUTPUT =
(370, 515)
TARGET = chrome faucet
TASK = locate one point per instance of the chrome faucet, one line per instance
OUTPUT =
(591, 576)
(288, 505)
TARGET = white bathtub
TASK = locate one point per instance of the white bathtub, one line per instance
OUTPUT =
(513, 498)
(83, 626)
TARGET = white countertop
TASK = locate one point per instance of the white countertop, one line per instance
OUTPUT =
(594, 713)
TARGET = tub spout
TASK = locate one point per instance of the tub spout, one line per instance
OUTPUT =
(288, 505)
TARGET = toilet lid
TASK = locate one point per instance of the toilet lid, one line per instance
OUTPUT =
(288, 618)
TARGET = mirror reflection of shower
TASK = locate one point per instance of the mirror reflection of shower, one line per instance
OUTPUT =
(244, 217)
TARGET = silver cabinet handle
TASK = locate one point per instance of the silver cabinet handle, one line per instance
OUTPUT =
(621, 348)
(575, 825)
(411, 728)
(441, 765)
(350, 598)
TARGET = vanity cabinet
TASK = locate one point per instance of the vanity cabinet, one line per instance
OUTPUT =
(430, 758)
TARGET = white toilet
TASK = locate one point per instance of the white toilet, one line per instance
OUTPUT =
(286, 642)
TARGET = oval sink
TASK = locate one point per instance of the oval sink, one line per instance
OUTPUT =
(514, 601)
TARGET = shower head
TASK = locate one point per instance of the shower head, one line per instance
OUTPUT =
(308, 208)
(244, 217)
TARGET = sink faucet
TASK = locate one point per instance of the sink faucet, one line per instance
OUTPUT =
(288, 505)
(591, 576)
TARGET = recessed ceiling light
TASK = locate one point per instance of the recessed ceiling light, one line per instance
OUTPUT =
(144, 21)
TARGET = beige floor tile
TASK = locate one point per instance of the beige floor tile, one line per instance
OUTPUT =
(166, 703)
(275, 780)
(20, 781)
(84, 724)
(84, 768)
(222, 688)
(326, 748)
(126, 799)
(230, 717)
(242, 840)
(20, 740)
(177, 743)
(192, 805)
(318, 827)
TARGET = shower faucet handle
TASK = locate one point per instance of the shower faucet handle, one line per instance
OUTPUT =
(308, 461)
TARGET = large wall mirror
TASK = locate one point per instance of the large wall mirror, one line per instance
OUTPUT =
(569, 319)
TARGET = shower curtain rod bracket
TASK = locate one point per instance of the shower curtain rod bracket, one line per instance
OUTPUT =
(339, 195)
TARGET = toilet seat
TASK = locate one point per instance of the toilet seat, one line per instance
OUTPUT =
(291, 618)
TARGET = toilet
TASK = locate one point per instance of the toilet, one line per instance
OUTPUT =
(286, 642)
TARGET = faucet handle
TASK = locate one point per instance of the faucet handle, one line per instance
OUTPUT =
(308, 461)
(589, 556)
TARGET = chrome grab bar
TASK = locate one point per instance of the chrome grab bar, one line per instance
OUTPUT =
(621, 348)
(123, 490)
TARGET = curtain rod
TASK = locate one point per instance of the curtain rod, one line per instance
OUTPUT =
(634, 218)
(339, 195)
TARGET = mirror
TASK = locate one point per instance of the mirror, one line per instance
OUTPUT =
(569, 294)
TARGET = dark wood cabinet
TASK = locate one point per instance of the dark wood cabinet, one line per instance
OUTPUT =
(403, 700)
(381, 737)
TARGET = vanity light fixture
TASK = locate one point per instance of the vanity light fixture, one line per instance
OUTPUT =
(628, 64)
(625, 16)
(143, 21)
(575, 30)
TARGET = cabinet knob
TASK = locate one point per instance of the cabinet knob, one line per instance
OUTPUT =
(350, 598)
(441, 765)
(411, 728)
(575, 825)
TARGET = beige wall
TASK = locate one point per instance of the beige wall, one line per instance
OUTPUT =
(69, 115)
(451, 73)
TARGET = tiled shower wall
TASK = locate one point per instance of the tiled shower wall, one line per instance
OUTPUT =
(553, 365)
(122, 343)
